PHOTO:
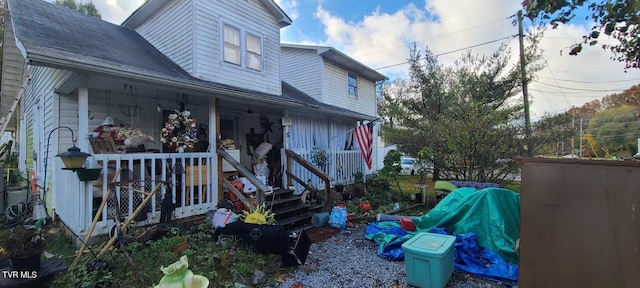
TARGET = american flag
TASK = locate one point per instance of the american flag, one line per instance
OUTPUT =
(364, 134)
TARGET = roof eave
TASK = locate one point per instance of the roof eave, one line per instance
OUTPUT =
(140, 15)
(150, 7)
(48, 61)
(350, 62)
(283, 19)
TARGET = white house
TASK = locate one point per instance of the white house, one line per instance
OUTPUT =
(220, 60)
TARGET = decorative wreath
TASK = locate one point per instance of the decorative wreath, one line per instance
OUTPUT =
(320, 156)
(180, 131)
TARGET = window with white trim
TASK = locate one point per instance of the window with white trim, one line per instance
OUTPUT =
(352, 84)
(232, 45)
(242, 48)
(254, 52)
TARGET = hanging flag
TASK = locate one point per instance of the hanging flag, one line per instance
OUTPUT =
(364, 135)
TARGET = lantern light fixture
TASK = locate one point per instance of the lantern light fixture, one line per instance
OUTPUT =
(73, 159)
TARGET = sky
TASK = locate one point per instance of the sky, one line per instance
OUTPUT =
(380, 33)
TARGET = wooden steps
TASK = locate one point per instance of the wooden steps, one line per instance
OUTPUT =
(289, 210)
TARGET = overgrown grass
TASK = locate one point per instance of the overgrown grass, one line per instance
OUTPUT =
(223, 263)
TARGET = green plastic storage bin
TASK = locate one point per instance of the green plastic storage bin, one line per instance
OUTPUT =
(429, 259)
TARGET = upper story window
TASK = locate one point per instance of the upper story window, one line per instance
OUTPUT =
(352, 84)
(242, 48)
(232, 45)
(254, 52)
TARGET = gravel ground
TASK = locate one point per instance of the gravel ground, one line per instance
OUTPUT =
(350, 260)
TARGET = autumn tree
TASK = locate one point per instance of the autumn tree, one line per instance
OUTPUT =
(617, 19)
(616, 129)
(551, 130)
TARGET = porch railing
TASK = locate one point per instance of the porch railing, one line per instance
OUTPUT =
(341, 167)
(190, 176)
(290, 158)
(261, 188)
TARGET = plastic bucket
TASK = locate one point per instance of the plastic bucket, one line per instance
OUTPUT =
(320, 219)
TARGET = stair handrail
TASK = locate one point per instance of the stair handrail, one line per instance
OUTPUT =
(326, 178)
(261, 188)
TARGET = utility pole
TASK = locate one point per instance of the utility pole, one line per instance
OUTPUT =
(580, 153)
(525, 94)
(573, 129)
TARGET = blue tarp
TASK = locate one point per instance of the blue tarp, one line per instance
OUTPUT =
(472, 258)
(486, 224)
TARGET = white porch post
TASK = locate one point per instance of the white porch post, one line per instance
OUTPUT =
(83, 143)
(213, 144)
(286, 145)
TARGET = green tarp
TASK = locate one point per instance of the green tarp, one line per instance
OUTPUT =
(493, 214)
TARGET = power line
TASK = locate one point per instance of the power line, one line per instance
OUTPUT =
(452, 51)
(568, 92)
(552, 93)
(593, 82)
(438, 36)
(561, 91)
(545, 98)
(579, 89)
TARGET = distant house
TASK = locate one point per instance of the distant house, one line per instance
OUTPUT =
(220, 60)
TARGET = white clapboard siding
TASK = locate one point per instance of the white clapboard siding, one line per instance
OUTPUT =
(251, 16)
(171, 31)
(38, 106)
(302, 68)
(188, 32)
(335, 91)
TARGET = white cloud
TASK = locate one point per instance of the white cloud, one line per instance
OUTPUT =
(116, 11)
(593, 65)
(291, 8)
(382, 39)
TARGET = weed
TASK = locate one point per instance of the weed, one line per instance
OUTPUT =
(222, 263)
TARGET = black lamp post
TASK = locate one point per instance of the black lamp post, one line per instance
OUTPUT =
(73, 159)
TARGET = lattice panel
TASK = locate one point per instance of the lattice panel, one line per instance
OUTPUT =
(125, 190)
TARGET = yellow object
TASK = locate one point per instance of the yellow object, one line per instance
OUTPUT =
(261, 215)
(592, 143)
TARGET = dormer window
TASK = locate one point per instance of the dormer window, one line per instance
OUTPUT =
(352, 84)
(242, 48)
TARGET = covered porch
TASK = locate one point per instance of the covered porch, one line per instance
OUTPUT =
(193, 179)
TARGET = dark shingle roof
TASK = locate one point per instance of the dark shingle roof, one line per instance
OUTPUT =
(340, 59)
(54, 31)
(293, 94)
(59, 36)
